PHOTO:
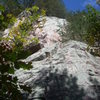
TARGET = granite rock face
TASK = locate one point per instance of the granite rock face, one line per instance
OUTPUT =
(60, 71)
(63, 69)
(48, 30)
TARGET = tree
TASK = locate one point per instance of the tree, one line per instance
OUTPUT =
(26, 3)
(76, 27)
(53, 8)
(11, 6)
(84, 25)
(5, 18)
(93, 29)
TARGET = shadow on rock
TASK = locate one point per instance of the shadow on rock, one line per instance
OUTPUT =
(93, 91)
(58, 86)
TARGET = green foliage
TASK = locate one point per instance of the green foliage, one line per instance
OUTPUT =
(8, 63)
(53, 8)
(26, 3)
(35, 14)
(12, 6)
(36, 40)
(93, 29)
(15, 7)
(5, 18)
(2, 8)
(20, 33)
(25, 27)
(84, 25)
(12, 50)
(76, 27)
(9, 88)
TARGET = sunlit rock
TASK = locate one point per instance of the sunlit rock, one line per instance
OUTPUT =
(72, 57)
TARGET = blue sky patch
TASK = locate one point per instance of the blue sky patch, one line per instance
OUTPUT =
(74, 5)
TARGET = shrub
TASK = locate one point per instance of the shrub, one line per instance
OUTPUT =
(93, 29)
(76, 27)
(11, 51)
(84, 26)
(8, 64)
(5, 18)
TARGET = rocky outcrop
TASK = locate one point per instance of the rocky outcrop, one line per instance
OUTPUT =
(60, 71)
(48, 30)
(63, 70)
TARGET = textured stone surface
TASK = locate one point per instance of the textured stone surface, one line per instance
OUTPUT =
(61, 71)
(71, 56)
(48, 30)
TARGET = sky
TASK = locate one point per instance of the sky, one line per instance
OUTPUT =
(74, 5)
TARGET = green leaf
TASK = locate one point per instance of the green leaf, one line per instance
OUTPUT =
(23, 65)
(1, 17)
(35, 8)
(11, 70)
(2, 9)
